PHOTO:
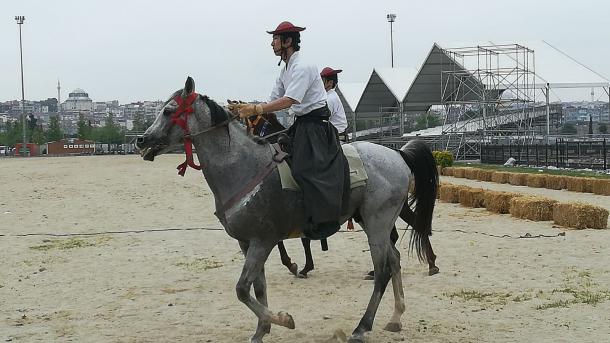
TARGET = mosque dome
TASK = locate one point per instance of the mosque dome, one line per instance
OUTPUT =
(78, 94)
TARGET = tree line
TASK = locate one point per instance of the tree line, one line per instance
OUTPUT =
(109, 133)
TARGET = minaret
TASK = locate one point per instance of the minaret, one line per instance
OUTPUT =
(58, 97)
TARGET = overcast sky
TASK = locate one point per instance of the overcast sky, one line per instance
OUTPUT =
(143, 50)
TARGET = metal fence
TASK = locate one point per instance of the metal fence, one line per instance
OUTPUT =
(592, 154)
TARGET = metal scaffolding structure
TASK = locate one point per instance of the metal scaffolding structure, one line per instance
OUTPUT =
(488, 94)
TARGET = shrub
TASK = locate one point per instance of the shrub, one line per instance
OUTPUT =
(443, 158)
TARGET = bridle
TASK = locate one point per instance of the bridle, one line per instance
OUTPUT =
(180, 118)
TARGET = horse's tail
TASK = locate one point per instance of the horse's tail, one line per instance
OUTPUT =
(420, 160)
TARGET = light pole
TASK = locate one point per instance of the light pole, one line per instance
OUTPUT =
(20, 20)
(391, 18)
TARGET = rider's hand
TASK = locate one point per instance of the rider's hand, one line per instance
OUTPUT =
(247, 110)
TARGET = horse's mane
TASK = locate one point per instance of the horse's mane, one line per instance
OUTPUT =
(217, 112)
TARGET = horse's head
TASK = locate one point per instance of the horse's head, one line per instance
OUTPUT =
(184, 115)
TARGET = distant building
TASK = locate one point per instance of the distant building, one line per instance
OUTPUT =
(78, 100)
(71, 146)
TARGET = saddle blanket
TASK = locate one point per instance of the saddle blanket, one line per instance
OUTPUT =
(357, 174)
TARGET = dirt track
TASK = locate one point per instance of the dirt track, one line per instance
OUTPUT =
(178, 285)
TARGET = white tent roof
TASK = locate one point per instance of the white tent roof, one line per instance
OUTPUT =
(398, 80)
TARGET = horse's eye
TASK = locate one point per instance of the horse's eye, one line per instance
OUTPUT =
(167, 112)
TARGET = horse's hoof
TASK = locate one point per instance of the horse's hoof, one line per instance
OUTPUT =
(294, 269)
(353, 339)
(286, 320)
(393, 327)
(433, 271)
(300, 275)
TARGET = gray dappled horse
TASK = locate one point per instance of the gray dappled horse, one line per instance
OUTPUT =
(267, 126)
(253, 208)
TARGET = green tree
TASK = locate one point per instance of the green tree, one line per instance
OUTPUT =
(110, 133)
(54, 133)
(602, 128)
(139, 122)
(568, 129)
(426, 120)
(85, 131)
(37, 136)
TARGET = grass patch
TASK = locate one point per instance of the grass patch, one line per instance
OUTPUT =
(474, 295)
(69, 243)
(531, 170)
(578, 288)
(199, 264)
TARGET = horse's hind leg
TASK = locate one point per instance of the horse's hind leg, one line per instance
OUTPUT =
(432, 268)
(399, 297)
(379, 252)
(308, 258)
(394, 238)
(292, 267)
(256, 255)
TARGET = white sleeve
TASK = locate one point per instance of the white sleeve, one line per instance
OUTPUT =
(278, 90)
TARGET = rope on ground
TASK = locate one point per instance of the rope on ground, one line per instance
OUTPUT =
(525, 236)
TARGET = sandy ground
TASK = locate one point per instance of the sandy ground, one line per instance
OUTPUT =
(178, 285)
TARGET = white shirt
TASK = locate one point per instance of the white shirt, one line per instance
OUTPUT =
(301, 82)
(337, 113)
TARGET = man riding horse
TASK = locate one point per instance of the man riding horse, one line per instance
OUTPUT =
(318, 164)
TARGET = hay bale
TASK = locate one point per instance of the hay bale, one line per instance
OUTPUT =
(450, 193)
(556, 182)
(500, 177)
(589, 184)
(601, 186)
(532, 208)
(470, 173)
(447, 171)
(498, 202)
(471, 197)
(580, 216)
(536, 180)
(484, 175)
(517, 179)
(575, 184)
(458, 172)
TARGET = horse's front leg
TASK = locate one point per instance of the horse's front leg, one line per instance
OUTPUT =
(256, 254)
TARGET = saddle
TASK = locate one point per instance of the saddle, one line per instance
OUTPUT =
(357, 173)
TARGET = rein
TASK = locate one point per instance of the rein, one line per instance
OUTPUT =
(180, 118)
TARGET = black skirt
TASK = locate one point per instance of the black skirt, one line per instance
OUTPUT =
(319, 167)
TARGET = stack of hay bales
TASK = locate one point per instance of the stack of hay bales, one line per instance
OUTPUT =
(556, 182)
(517, 179)
(450, 193)
(601, 186)
(536, 180)
(470, 173)
(498, 202)
(575, 184)
(472, 197)
(458, 172)
(580, 216)
(532, 208)
(484, 175)
(500, 177)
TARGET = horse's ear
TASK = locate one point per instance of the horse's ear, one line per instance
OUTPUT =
(189, 87)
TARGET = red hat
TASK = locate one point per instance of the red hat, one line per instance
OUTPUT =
(328, 71)
(286, 27)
